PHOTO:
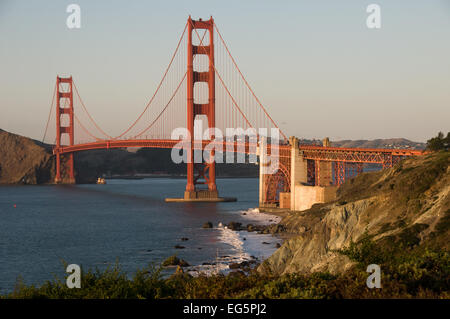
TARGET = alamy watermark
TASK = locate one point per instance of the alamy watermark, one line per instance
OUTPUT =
(230, 147)
(73, 21)
(74, 279)
(373, 21)
(374, 279)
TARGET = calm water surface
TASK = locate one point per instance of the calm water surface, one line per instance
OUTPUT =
(125, 220)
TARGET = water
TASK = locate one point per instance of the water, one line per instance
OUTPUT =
(125, 221)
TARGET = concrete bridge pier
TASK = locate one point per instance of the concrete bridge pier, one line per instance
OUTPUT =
(262, 161)
(299, 171)
(302, 195)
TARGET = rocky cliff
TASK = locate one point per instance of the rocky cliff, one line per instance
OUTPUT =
(407, 205)
(23, 160)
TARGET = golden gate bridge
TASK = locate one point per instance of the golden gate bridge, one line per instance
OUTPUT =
(203, 82)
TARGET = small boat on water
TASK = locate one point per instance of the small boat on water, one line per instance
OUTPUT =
(101, 181)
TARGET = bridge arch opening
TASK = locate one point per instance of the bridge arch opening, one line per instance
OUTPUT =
(277, 183)
(201, 93)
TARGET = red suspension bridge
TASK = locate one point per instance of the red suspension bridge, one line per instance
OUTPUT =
(202, 82)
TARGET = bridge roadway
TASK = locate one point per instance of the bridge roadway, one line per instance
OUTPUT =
(236, 147)
(311, 152)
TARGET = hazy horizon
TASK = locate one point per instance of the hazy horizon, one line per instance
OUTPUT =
(315, 65)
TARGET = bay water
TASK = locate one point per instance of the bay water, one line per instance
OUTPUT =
(124, 221)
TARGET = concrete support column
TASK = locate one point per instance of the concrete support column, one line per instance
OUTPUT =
(325, 173)
(299, 168)
(262, 160)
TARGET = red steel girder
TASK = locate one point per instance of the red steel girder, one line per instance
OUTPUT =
(235, 147)
(387, 157)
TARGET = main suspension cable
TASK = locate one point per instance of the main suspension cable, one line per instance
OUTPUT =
(220, 78)
(246, 83)
(89, 115)
(159, 85)
(168, 103)
(49, 113)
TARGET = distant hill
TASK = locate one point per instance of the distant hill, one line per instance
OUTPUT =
(395, 143)
(146, 161)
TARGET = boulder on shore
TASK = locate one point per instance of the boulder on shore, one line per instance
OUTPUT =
(234, 225)
(207, 225)
(175, 261)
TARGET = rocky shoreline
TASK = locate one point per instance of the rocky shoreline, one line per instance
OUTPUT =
(269, 227)
(274, 229)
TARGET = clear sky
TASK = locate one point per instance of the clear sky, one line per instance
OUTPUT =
(314, 64)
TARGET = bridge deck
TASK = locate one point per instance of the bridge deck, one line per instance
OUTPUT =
(311, 152)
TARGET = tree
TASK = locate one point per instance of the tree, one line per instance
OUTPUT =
(439, 142)
(447, 141)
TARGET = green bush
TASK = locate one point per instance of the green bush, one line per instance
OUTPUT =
(414, 273)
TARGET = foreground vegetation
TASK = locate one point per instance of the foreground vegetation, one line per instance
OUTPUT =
(407, 272)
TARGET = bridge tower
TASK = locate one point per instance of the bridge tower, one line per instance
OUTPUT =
(197, 171)
(64, 105)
